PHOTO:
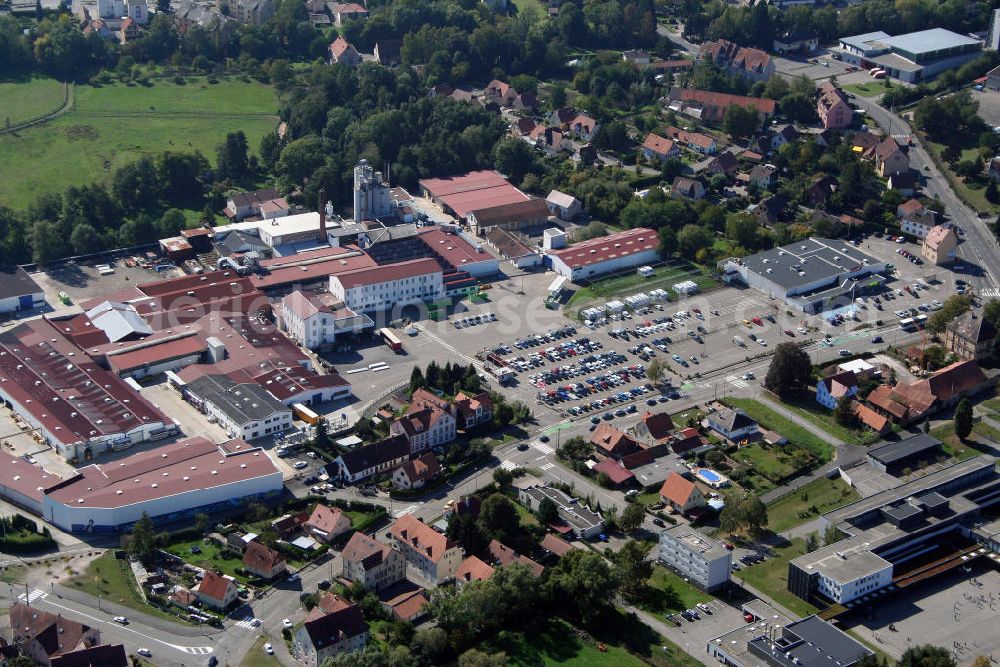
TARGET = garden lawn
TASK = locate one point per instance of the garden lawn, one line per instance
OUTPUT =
(24, 100)
(362, 520)
(867, 89)
(113, 125)
(973, 193)
(983, 436)
(112, 579)
(527, 518)
(765, 461)
(823, 494)
(771, 578)
(212, 557)
(686, 597)
(809, 409)
(772, 421)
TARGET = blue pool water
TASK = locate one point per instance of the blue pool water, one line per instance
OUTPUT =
(709, 476)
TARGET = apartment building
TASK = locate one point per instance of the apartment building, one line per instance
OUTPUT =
(704, 561)
(392, 286)
(429, 552)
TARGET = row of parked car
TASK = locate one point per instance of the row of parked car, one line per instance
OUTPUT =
(589, 364)
(473, 320)
(540, 339)
(592, 385)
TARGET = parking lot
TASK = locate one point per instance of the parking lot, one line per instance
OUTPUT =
(82, 281)
(958, 610)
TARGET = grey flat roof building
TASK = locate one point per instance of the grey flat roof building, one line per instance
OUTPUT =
(811, 642)
(893, 457)
(931, 43)
(241, 403)
(808, 274)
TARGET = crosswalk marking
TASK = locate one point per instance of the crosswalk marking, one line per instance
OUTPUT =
(542, 447)
(245, 623)
(508, 465)
(739, 383)
(547, 466)
(32, 595)
(196, 650)
(406, 510)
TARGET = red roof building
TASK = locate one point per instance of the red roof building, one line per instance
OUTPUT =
(472, 569)
(617, 474)
(681, 494)
(632, 247)
(477, 190)
(327, 523)
(263, 561)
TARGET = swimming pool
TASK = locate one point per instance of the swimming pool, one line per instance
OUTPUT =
(712, 478)
(709, 476)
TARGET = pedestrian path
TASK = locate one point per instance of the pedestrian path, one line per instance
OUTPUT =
(542, 447)
(31, 596)
(737, 381)
(406, 510)
(247, 623)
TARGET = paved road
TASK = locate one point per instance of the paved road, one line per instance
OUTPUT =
(980, 247)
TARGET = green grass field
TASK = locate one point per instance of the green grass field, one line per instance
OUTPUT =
(111, 579)
(113, 125)
(626, 284)
(867, 89)
(212, 557)
(809, 409)
(20, 101)
(973, 193)
(982, 438)
(772, 421)
(823, 494)
(686, 595)
(771, 578)
(765, 461)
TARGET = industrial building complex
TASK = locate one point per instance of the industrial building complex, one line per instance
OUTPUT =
(913, 57)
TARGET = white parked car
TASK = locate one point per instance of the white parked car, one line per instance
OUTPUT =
(120, 619)
(268, 648)
(299, 465)
(145, 652)
(286, 623)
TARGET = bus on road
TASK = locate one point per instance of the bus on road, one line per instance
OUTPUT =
(390, 339)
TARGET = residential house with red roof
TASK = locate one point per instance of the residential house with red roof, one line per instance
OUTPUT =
(681, 494)
(831, 389)
(473, 411)
(325, 635)
(429, 422)
(872, 420)
(472, 569)
(940, 246)
(342, 51)
(834, 112)
(905, 403)
(326, 524)
(429, 552)
(416, 473)
(890, 158)
(655, 147)
(615, 471)
(500, 92)
(696, 141)
(262, 561)
(610, 442)
(217, 591)
(690, 189)
(43, 636)
(655, 428)
(348, 11)
(501, 555)
(372, 564)
(405, 601)
(710, 107)
(909, 206)
(750, 63)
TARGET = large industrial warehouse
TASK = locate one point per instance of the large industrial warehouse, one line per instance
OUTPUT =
(169, 483)
(811, 275)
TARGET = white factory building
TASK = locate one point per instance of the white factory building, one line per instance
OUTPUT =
(308, 321)
(169, 483)
(243, 410)
(393, 285)
(703, 560)
(605, 254)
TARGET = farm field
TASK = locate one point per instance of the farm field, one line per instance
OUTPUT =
(112, 125)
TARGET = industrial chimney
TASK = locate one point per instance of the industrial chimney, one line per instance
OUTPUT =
(321, 206)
